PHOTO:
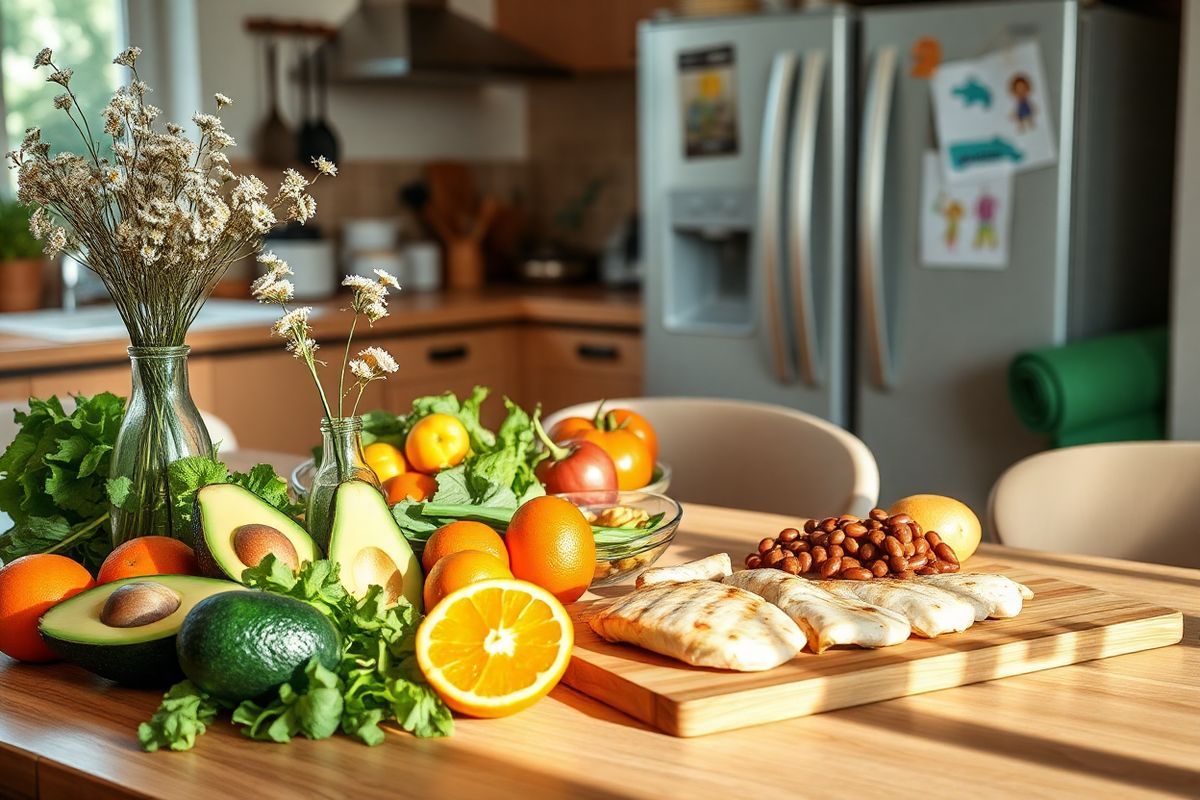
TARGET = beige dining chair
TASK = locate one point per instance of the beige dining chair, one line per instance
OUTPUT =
(1132, 500)
(218, 430)
(753, 455)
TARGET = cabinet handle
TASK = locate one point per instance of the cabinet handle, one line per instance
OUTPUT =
(444, 355)
(598, 352)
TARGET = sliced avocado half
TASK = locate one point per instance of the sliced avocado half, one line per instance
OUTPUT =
(369, 546)
(235, 528)
(138, 649)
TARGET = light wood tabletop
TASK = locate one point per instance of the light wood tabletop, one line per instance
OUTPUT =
(1127, 726)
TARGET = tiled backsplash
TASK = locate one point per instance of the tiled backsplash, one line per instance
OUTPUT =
(581, 131)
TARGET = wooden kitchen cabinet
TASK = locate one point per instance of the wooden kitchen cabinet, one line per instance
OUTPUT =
(581, 35)
(116, 378)
(269, 400)
(563, 366)
(16, 389)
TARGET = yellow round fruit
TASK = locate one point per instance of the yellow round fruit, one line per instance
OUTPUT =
(436, 442)
(493, 648)
(953, 520)
(385, 459)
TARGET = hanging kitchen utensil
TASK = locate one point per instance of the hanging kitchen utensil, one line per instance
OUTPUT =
(324, 140)
(276, 145)
(306, 137)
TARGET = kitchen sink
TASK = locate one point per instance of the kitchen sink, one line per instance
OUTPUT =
(92, 323)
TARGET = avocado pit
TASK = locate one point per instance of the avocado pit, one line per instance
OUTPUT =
(136, 604)
(373, 567)
(254, 542)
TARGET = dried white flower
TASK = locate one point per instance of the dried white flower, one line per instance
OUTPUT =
(387, 279)
(222, 100)
(261, 216)
(303, 209)
(61, 76)
(379, 360)
(325, 166)
(127, 56)
(376, 311)
(269, 289)
(56, 242)
(293, 184)
(206, 122)
(274, 265)
(301, 348)
(39, 222)
(63, 102)
(43, 57)
(293, 324)
(112, 178)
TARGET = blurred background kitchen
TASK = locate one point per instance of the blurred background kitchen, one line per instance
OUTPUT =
(734, 205)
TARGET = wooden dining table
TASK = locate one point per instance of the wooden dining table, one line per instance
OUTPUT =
(1127, 726)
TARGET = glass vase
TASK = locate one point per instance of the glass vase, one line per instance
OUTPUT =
(342, 460)
(161, 425)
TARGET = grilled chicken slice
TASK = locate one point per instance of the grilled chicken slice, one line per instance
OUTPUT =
(929, 610)
(825, 618)
(999, 596)
(703, 623)
(709, 568)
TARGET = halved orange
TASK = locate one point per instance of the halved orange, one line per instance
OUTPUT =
(495, 647)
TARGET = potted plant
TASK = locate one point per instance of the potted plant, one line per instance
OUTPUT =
(21, 261)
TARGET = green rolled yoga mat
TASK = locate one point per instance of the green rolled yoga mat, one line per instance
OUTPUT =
(1107, 389)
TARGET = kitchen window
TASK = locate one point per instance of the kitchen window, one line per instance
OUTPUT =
(84, 34)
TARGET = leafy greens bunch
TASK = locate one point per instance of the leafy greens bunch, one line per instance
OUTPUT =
(377, 679)
(54, 480)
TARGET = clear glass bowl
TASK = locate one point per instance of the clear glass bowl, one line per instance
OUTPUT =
(620, 561)
(302, 478)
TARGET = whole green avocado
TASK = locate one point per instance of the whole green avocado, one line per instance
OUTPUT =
(240, 645)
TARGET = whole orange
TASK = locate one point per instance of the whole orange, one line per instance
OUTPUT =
(436, 442)
(409, 486)
(385, 459)
(569, 427)
(551, 544)
(462, 535)
(953, 520)
(148, 555)
(29, 586)
(458, 570)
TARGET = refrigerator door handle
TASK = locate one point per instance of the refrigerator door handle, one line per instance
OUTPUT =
(872, 171)
(803, 179)
(779, 90)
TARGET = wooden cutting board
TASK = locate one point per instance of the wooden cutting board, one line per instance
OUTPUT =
(1063, 624)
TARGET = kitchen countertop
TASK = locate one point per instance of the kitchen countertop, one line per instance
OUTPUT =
(410, 313)
(1117, 727)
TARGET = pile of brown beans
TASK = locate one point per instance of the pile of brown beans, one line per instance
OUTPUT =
(879, 546)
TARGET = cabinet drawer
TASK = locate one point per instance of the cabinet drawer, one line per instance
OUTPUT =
(602, 351)
(426, 357)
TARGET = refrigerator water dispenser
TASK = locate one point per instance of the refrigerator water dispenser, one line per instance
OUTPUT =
(708, 266)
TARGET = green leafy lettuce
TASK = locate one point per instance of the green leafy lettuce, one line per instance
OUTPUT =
(185, 713)
(54, 480)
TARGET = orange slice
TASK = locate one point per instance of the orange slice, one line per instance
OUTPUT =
(495, 647)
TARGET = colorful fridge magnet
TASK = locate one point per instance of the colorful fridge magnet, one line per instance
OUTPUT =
(926, 55)
(991, 115)
(965, 224)
(709, 104)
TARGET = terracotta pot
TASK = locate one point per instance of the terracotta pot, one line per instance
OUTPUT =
(21, 284)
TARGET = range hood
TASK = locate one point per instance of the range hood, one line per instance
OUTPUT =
(386, 40)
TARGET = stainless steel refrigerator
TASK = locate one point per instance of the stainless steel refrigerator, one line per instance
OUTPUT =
(781, 178)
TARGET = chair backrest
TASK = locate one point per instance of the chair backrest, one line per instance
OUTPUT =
(754, 456)
(1133, 500)
(218, 430)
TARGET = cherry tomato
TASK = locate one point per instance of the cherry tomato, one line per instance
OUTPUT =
(639, 425)
(386, 459)
(409, 486)
(629, 454)
(437, 442)
(577, 467)
(570, 426)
